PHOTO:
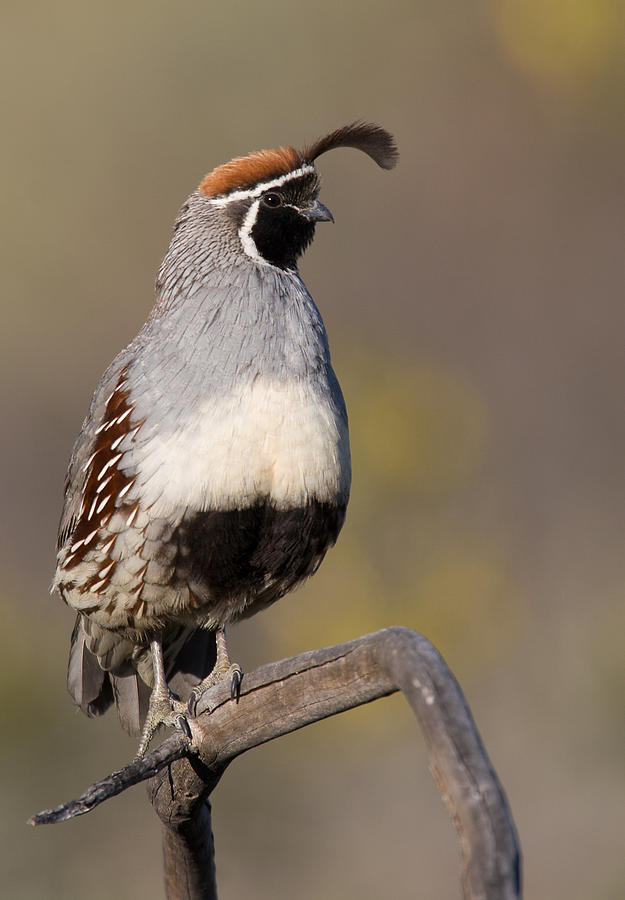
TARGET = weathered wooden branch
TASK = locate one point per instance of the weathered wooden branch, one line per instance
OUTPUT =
(281, 697)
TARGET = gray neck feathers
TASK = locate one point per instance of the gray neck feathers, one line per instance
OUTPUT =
(220, 317)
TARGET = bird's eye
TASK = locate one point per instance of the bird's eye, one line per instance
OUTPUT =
(272, 200)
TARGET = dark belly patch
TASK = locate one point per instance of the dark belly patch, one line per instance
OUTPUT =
(259, 553)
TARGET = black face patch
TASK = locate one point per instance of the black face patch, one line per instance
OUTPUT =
(280, 231)
(281, 235)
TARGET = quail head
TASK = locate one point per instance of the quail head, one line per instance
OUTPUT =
(212, 472)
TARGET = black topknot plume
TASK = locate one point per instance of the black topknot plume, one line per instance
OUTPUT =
(373, 140)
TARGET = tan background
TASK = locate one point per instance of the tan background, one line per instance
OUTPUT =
(474, 300)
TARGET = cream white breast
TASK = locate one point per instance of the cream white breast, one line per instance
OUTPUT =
(270, 438)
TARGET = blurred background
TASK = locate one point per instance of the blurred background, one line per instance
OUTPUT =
(474, 301)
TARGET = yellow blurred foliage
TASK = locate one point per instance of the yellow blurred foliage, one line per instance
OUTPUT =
(560, 43)
(467, 606)
(25, 651)
(414, 426)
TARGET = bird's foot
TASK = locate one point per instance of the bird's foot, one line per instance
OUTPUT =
(164, 709)
(223, 671)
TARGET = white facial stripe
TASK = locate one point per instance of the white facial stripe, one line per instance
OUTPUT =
(245, 234)
(265, 186)
(247, 241)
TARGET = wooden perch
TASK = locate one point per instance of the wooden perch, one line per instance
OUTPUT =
(281, 697)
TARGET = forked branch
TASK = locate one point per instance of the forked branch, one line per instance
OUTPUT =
(281, 697)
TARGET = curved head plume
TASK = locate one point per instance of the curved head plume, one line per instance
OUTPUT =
(373, 140)
(263, 166)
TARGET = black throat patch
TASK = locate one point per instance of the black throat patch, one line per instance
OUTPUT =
(280, 231)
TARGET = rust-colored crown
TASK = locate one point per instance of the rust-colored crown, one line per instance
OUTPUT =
(245, 171)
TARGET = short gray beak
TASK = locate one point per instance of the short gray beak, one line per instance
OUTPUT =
(317, 212)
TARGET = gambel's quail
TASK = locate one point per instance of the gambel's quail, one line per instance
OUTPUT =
(212, 472)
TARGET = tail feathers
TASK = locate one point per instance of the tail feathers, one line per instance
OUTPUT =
(105, 668)
(132, 698)
(87, 682)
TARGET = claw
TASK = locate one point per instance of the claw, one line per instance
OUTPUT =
(234, 673)
(235, 683)
(183, 725)
(165, 708)
(192, 702)
(223, 670)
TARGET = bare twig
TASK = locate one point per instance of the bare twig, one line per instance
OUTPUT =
(138, 770)
(281, 697)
